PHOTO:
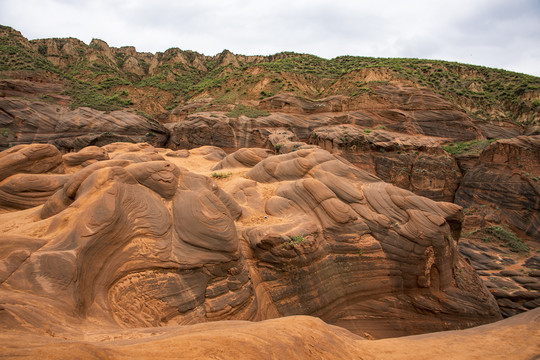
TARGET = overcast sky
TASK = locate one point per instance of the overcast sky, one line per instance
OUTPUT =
(495, 33)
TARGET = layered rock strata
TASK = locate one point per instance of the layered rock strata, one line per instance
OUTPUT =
(141, 241)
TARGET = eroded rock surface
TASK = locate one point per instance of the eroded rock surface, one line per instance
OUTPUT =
(24, 121)
(136, 242)
(507, 177)
(294, 337)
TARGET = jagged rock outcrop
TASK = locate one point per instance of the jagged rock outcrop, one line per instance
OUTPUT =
(413, 162)
(149, 243)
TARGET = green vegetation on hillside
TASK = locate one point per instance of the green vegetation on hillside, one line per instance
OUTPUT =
(248, 111)
(221, 175)
(89, 95)
(485, 93)
(473, 147)
(451, 79)
(293, 240)
(14, 56)
(502, 235)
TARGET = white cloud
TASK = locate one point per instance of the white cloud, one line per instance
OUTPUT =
(494, 33)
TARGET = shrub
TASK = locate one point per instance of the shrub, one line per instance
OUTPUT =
(467, 147)
(500, 234)
(221, 175)
(293, 240)
(509, 239)
(85, 94)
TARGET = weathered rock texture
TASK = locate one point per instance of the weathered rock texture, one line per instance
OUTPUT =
(24, 122)
(295, 337)
(139, 241)
(507, 177)
(401, 108)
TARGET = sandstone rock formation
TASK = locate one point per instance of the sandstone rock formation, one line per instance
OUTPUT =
(24, 122)
(140, 241)
(507, 177)
(384, 133)
(294, 337)
(273, 200)
(500, 193)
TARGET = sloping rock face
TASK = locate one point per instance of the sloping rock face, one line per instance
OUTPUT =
(400, 107)
(294, 104)
(507, 177)
(405, 110)
(140, 241)
(500, 191)
(32, 89)
(25, 122)
(513, 279)
(22, 182)
(413, 162)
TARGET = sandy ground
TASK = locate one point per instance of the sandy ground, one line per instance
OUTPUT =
(295, 337)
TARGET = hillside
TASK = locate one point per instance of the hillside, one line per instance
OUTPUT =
(106, 78)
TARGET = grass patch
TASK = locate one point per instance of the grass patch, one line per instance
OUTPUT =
(248, 111)
(293, 240)
(5, 132)
(502, 235)
(112, 82)
(473, 147)
(89, 95)
(221, 175)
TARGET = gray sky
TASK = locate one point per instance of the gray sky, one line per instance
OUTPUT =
(495, 33)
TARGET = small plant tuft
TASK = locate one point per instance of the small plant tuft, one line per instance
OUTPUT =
(293, 240)
(221, 175)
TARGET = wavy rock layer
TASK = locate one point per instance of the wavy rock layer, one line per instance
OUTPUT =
(139, 241)
(507, 177)
(24, 122)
